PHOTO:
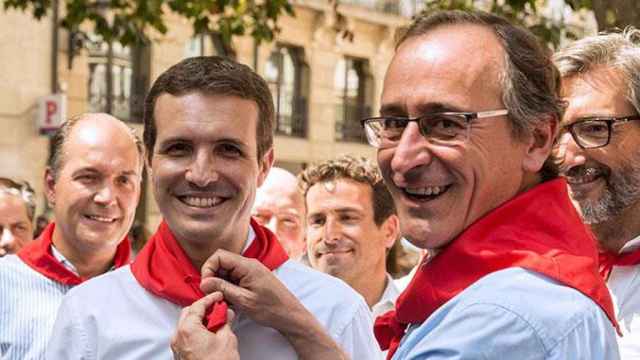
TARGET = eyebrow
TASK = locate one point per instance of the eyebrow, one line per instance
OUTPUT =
(341, 210)
(177, 139)
(395, 109)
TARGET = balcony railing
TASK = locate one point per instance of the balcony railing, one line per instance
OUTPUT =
(407, 8)
(348, 118)
(296, 123)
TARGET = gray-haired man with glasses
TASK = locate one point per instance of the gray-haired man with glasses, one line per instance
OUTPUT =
(600, 149)
(468, 117)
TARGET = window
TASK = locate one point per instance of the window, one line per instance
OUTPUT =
(194, 46)
(287, 74)
(118, 79)
(353, 91)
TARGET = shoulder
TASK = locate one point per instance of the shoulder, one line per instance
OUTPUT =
(334, 303)
(534, 297)
(100, 285)
(543, 318)
(13, 266)
(306, 282)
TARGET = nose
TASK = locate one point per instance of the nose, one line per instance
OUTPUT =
(570, 153)
(272, 224)
(411, 153)
(201, 171)
(332, 231)
(105, 195)
(6, 240)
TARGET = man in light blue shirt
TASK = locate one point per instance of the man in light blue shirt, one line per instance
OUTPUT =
(469, 114)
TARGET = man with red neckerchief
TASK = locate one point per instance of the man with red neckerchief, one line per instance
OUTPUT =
(469, 114)
(601, 161)
(93, 184)
(209, 136)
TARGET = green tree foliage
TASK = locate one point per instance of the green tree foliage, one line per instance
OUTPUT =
(611, 13)
(129, 21)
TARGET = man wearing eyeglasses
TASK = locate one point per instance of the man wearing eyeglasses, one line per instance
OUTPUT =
(600, 148)
(469, 113)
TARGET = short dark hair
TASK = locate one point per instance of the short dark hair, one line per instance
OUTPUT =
(212, 75)
(60, 137)
(530, 80)
(358, 169)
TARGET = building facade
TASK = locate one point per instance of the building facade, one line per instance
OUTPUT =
(325, 69)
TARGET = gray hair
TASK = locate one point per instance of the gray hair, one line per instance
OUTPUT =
(530, 81)
(619, 50)
(21, 190)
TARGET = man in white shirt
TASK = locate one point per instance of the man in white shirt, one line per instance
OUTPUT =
(351, 225)
(279, 206)
(93, 185)
(600, 151)
(209, 136)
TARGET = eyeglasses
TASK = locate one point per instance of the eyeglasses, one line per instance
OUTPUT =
(446, 128)
(594, 133)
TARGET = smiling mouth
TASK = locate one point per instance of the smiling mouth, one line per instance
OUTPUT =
(102, 219)
(334, 252)
(587, 176)
(427, 193)
(201, 202)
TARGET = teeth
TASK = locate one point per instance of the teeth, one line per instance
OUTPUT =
(202, 202)
(101, 219)
(429, 190)
(586, 176)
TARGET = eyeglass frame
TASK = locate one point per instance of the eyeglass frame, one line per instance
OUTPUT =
(469, 116)
(609, 120)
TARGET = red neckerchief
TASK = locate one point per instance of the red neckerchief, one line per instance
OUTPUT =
(607, 260)
(37, 254)
(538, 230)
(163, 268)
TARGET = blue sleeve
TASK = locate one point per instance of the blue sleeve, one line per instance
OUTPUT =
(479, 331)
(490, 331)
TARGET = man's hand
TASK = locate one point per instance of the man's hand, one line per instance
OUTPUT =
(254, 290)
(192, 340)
(251, 288)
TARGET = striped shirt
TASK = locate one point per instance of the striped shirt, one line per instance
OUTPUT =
(29, 303)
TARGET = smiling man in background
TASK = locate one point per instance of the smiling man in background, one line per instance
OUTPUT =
(279, 206)
(93, 184)
(351, 225)
(600, 150)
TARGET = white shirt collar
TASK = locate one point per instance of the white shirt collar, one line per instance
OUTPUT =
(631, 245)
(63, 260)
(388, 299)
(251, 236)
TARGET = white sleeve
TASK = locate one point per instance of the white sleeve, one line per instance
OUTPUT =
(357, 338)
(71, 338)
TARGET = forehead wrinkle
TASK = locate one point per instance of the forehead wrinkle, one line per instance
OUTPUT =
(445, 55)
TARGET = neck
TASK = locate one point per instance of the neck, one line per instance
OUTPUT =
(88, 262)
(614, 234)
(371, 286)
(199, 252)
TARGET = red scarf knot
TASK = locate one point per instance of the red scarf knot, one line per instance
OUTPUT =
(538, 230)
(164, 269)
(37, 254)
